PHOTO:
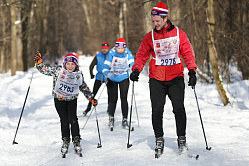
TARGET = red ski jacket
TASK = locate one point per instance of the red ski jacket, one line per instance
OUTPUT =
(165, 73)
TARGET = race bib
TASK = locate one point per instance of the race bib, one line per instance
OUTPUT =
(68, 83)
(119, 65)
(166, 50)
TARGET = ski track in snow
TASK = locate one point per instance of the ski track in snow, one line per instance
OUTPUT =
(39, 140)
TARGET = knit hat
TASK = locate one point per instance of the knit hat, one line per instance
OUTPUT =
(105, 45)
(71, 58)
(160, 9)
(120, 43)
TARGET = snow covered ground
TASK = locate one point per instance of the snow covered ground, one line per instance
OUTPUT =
(39, 140)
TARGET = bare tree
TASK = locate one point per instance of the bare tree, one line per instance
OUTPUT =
(213, 52)
(13, 38)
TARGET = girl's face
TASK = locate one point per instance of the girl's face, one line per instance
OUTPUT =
(120, 50)
(70, 66)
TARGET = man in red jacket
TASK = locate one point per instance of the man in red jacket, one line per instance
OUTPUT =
(166, 43)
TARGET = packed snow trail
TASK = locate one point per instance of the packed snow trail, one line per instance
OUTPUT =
(39, 140)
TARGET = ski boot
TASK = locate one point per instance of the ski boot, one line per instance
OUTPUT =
(159, 147)
(181, 141)
(65, 145)
(111, 122)
(87, 109)
(125, 124)
(76, 144)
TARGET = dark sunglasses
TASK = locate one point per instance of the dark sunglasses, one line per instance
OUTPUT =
(105, 44)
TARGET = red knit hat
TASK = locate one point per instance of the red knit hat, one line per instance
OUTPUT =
(105, 45)
(120, 43)
(71, 58)
(160, 9)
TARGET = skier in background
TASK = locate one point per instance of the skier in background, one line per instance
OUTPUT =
(98, 60)
(116, 68)
(67, 82)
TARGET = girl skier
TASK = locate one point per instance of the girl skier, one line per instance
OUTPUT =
(67, 82)
(116, 68)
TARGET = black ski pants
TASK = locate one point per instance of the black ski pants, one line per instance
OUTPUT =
(96, 87)
(113, 93)
(67, 111)
(175, 90)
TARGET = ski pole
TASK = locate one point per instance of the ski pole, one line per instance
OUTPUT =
(207, 148)
(128, 144)
(14, 142)
(99, 144)
(93, 108)
(136, 110)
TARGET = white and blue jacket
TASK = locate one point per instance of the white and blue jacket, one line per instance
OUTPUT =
(118, 64)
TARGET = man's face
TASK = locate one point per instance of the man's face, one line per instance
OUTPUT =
(158, 22)
(105, 50)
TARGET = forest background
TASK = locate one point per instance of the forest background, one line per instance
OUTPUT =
(217, 29)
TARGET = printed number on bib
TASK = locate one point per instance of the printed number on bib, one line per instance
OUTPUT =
(168, 62)
(66, 88)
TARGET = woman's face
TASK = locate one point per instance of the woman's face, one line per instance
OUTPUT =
(70, 66)
(120, 50)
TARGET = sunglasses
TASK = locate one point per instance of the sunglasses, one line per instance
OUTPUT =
(105, 44)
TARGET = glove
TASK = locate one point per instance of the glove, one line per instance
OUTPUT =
(93, 101)
(109, 75)
(92, 76)
(134, 75)
(192, 78)
(37, 57)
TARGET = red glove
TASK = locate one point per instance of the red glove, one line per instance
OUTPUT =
(93, 101)
(37, 57)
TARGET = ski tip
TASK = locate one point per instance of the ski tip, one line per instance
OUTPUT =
(196, 157)
(208, 148)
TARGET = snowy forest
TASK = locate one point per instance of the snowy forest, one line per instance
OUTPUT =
(54, 26)
(219, 34)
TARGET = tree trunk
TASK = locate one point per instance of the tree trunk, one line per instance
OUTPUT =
(121, 21)
(24, 17)
(84, 6)
(213, 55)
(147, 19)
(3, 36)
(13, 38)
(125, 23)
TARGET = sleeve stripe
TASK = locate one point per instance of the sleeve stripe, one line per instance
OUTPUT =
(130, 61)
(107, 63)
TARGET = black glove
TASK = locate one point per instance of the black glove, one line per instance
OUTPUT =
(134, 75)
(92, 76)
(192, 78)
